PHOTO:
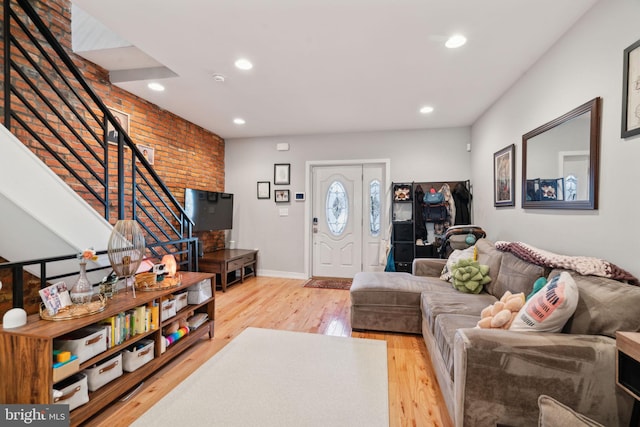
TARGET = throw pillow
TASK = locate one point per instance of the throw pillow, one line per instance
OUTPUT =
(455, 256)
(469, 276)
(554, 413)
(550, 308)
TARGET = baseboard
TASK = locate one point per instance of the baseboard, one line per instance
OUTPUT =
(283, 274)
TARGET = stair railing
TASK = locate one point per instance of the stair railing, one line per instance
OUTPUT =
(52, 109)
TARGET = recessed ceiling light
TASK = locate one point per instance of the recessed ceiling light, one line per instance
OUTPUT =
(455, 41)
(239, 121)
(155, 86)
(218, 78)
(243, 64)
(426, 109)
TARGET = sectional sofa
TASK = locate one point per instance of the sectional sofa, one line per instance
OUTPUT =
(492, 377)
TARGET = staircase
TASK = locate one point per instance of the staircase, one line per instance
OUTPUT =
(62, 185)
(41, 215)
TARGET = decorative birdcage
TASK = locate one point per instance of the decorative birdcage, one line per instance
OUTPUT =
(126, 250)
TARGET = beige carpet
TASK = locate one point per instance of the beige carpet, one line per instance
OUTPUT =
(267, 377)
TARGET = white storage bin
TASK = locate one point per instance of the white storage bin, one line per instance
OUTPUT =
(103, 372)
(168, 309)
(73, 391)
(84, 343)
(181, 301)
(200, 292)
(137, 355)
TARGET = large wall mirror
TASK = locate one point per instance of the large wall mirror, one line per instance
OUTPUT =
(560, 161)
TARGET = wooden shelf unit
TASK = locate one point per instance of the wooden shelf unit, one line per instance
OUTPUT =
(26, 352)
(225, 261)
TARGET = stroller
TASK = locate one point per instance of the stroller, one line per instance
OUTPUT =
(460, 237)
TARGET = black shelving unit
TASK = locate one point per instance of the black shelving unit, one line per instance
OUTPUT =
(403, 232)
(405, 211)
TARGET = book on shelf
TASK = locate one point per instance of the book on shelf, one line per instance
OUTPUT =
(55, 297)
(140, 314)
(197, 320)
(125, 325)
(155, 320)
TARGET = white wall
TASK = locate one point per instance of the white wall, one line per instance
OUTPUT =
(586, 63)
(421, 155)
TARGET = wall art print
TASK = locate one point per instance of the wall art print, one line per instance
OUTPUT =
(503, 174)
(631, 91)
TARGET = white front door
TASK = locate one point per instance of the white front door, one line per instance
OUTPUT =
(348, 204)
(337, 221)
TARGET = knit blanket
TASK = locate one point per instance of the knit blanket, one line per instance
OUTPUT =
(580, 264)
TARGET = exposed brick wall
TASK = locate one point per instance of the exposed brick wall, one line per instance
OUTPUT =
(31, 295)
(186, 155)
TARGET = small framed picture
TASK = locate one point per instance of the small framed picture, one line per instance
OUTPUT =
(147, 152)
(264, 190)
(281, 174)
(281, 196)
(503, 172)
(548, 189)
(631, 91)
(533, 189)
(560, 189)
(122, 119)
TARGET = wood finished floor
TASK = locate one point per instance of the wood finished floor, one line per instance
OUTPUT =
(264, 302)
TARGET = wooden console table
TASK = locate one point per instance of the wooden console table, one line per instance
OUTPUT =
(224, 261)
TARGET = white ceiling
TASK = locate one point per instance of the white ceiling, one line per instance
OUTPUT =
(329, 66)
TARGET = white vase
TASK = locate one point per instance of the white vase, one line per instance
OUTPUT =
(82, 290)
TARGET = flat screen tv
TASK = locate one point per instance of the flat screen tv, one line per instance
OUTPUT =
(210, 210)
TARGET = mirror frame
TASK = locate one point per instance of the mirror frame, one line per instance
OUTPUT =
(594, 107)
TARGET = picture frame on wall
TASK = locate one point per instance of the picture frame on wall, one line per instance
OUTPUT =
(504, 169)
(264, 190)
(123, 119)
(281, 196)
(147, 152)
(631, 91)
(281, 174)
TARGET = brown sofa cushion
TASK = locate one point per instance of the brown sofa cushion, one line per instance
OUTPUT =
(393, 289)
(437, 303)
(489, 255)
(554, 414)
(604, 306)
(515, 275)
(445, 329)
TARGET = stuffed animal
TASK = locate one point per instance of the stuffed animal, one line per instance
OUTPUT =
(500, 314)
(537, 285)
(469, 276)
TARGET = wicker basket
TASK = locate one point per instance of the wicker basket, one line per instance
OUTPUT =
(145, 280)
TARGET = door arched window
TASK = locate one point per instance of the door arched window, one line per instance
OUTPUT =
(337, 208)
(374, 208)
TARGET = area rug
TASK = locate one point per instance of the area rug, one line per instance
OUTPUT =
(265, 377)
(329, 283)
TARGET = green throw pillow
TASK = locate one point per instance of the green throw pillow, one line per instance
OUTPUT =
(469, 276)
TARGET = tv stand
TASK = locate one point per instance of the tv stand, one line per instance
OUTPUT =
(225, 261)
